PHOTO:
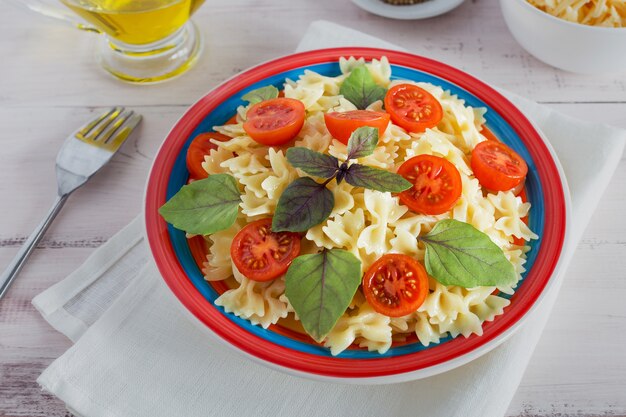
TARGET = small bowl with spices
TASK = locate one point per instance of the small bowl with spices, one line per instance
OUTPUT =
(408, 9)
(587, 37)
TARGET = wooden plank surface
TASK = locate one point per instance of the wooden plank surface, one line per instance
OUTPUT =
(51, 84)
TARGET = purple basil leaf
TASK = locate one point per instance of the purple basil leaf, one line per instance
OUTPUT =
(302, 205)
(376, 179)
(313, 163)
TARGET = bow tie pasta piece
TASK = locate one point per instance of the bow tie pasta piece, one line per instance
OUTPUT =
(239, 144)
(484, 304)
(473, 207)
(339, 231)
(462, 122)
(510, 210)
(443, 302)
(342, 232)
(344, 200)
(314, 135)
(434, 142)
(372, 327)
(262, 185)
(244, 164)
(407, 229)
(256, 207)
(282, 174)
(340, 105)
(517, 256)
(317, 92)
(382, 209)
(426, 332)
(218, 265)
(213, 161)
(254, 183)
(236, 129)
(470, 321)
(258, 302)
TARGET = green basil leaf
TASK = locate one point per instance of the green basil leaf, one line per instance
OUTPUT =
(204, 206)
(302, 205)
(362, 142)
(376, 179)
(361, 89)
(320, 288)
(313, 163)
(261, 94)
(459, 254)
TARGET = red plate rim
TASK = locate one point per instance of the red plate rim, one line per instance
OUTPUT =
(345, 368)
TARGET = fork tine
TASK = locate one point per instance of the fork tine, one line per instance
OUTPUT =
(89, 126)
(123, 131)
(106, 134)
(99, 127)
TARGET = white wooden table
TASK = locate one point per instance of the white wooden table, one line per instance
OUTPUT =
(50, 84)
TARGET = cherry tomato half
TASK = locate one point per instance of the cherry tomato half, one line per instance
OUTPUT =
(436, 184)
(498, 167)
(232, 120)
(413, 108)
(276, 121)
(341, 125)
(198, 149)
(395, 285)
(262, 255)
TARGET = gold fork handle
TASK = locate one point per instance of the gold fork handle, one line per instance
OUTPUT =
(9, 274)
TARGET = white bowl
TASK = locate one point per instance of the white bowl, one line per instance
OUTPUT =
(570, 46)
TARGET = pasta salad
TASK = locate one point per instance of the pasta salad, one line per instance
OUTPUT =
(359, 209)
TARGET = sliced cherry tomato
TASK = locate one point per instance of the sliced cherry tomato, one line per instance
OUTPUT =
(276, 121)
(436, 184)
(413, 108)
(198, 149)
(341, 125)
(232, 120)
(395, 285)
(262, 255)
(498, 167)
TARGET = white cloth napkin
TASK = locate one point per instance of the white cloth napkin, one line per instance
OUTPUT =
(138, 354)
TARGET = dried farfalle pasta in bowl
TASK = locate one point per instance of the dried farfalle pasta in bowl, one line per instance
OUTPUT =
(583, 36)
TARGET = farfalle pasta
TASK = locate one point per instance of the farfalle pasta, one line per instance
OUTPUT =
(364, 222)
(607, 13)
(259, 302)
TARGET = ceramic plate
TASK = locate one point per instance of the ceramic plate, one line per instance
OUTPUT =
(178, 258)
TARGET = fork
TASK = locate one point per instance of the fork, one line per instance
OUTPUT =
(82, 155)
